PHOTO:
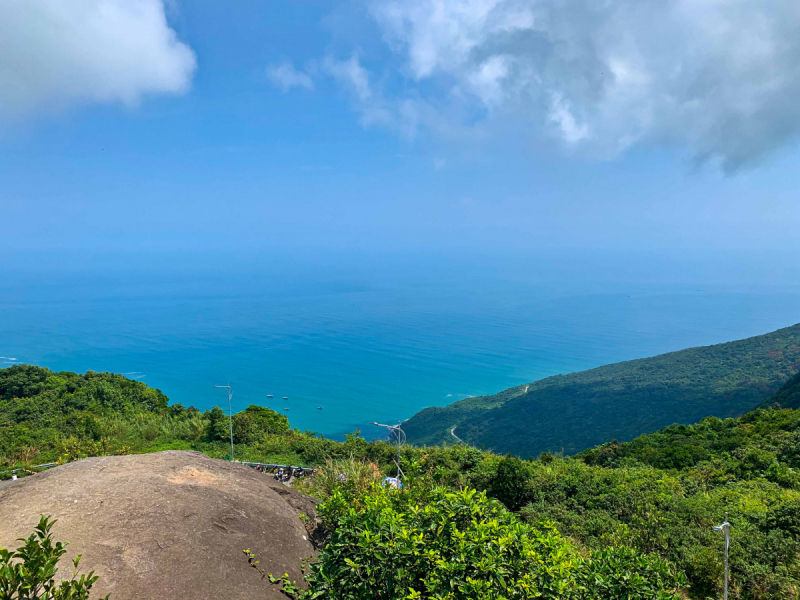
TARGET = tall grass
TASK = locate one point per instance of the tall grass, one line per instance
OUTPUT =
(355, 475)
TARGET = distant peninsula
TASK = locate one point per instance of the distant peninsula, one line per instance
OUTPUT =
(570, 413)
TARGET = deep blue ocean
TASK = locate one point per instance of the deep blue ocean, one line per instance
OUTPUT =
(371, 341)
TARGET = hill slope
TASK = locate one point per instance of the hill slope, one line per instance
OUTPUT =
(47, 416)
(789, 395)
(573, 412)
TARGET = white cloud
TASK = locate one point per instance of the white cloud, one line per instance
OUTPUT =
(487, 80)
(400, 114)
(285, 76)
(720, 78)
(351, 74)
(54, 53)
(561, 114)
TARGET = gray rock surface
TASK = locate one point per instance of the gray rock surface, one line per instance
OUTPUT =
(165, 525)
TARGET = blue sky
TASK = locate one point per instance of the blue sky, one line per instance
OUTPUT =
(401, 126)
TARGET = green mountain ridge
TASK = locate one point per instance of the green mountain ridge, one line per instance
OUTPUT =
(570, 413)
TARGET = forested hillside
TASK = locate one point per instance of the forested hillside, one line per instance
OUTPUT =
(47, 416)
(630, 520)
(569, 413)
(789, 395)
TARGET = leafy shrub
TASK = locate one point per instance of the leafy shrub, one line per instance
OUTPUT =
(510, 483)
(428, 542)
(624, 573)
(29, 573)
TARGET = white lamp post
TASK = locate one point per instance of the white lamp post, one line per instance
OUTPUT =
(726, 528)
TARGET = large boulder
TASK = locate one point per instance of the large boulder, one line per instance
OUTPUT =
(165, 525)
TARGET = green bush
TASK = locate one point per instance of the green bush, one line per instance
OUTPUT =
(429, 542)
(29, 573)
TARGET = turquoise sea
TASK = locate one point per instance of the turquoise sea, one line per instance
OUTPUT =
(370, 341)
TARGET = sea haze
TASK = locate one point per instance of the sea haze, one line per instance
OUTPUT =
(376, 340)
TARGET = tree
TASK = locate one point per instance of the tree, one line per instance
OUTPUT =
(510, 483)
(218, 426)
(255, 421)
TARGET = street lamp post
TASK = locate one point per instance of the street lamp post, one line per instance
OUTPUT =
(230, 413)
(726, 528)
(401, 437)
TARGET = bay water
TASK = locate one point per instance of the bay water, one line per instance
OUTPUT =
(365, 340)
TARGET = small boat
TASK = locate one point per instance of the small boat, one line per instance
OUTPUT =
(319, 408)
(269, 395)
(285, 397)
(285, 409)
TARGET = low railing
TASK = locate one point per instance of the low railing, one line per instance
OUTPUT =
(263, 467)
(273, 468)
(26, 469)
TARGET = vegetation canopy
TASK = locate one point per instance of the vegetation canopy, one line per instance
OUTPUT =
(428, 542)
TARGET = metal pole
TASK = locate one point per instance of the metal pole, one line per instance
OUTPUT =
(397, 435)
(400, 435)
(230, 412)
(726, 528)
(727, 551)
(230, 417)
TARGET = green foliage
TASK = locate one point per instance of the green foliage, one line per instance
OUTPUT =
(42, 412)
(672, 516)
(571, 413)
(764, 443)
(626, 574)
(29, 573)
(789, 395)
(429, 542)
(508, 484)
(218, 427)
(255, 421)
(354, 475)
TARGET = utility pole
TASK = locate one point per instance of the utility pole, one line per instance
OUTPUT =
(401, 437)
(230, 413)
(725, 527)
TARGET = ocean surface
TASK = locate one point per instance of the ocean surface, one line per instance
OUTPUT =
(376, 342)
